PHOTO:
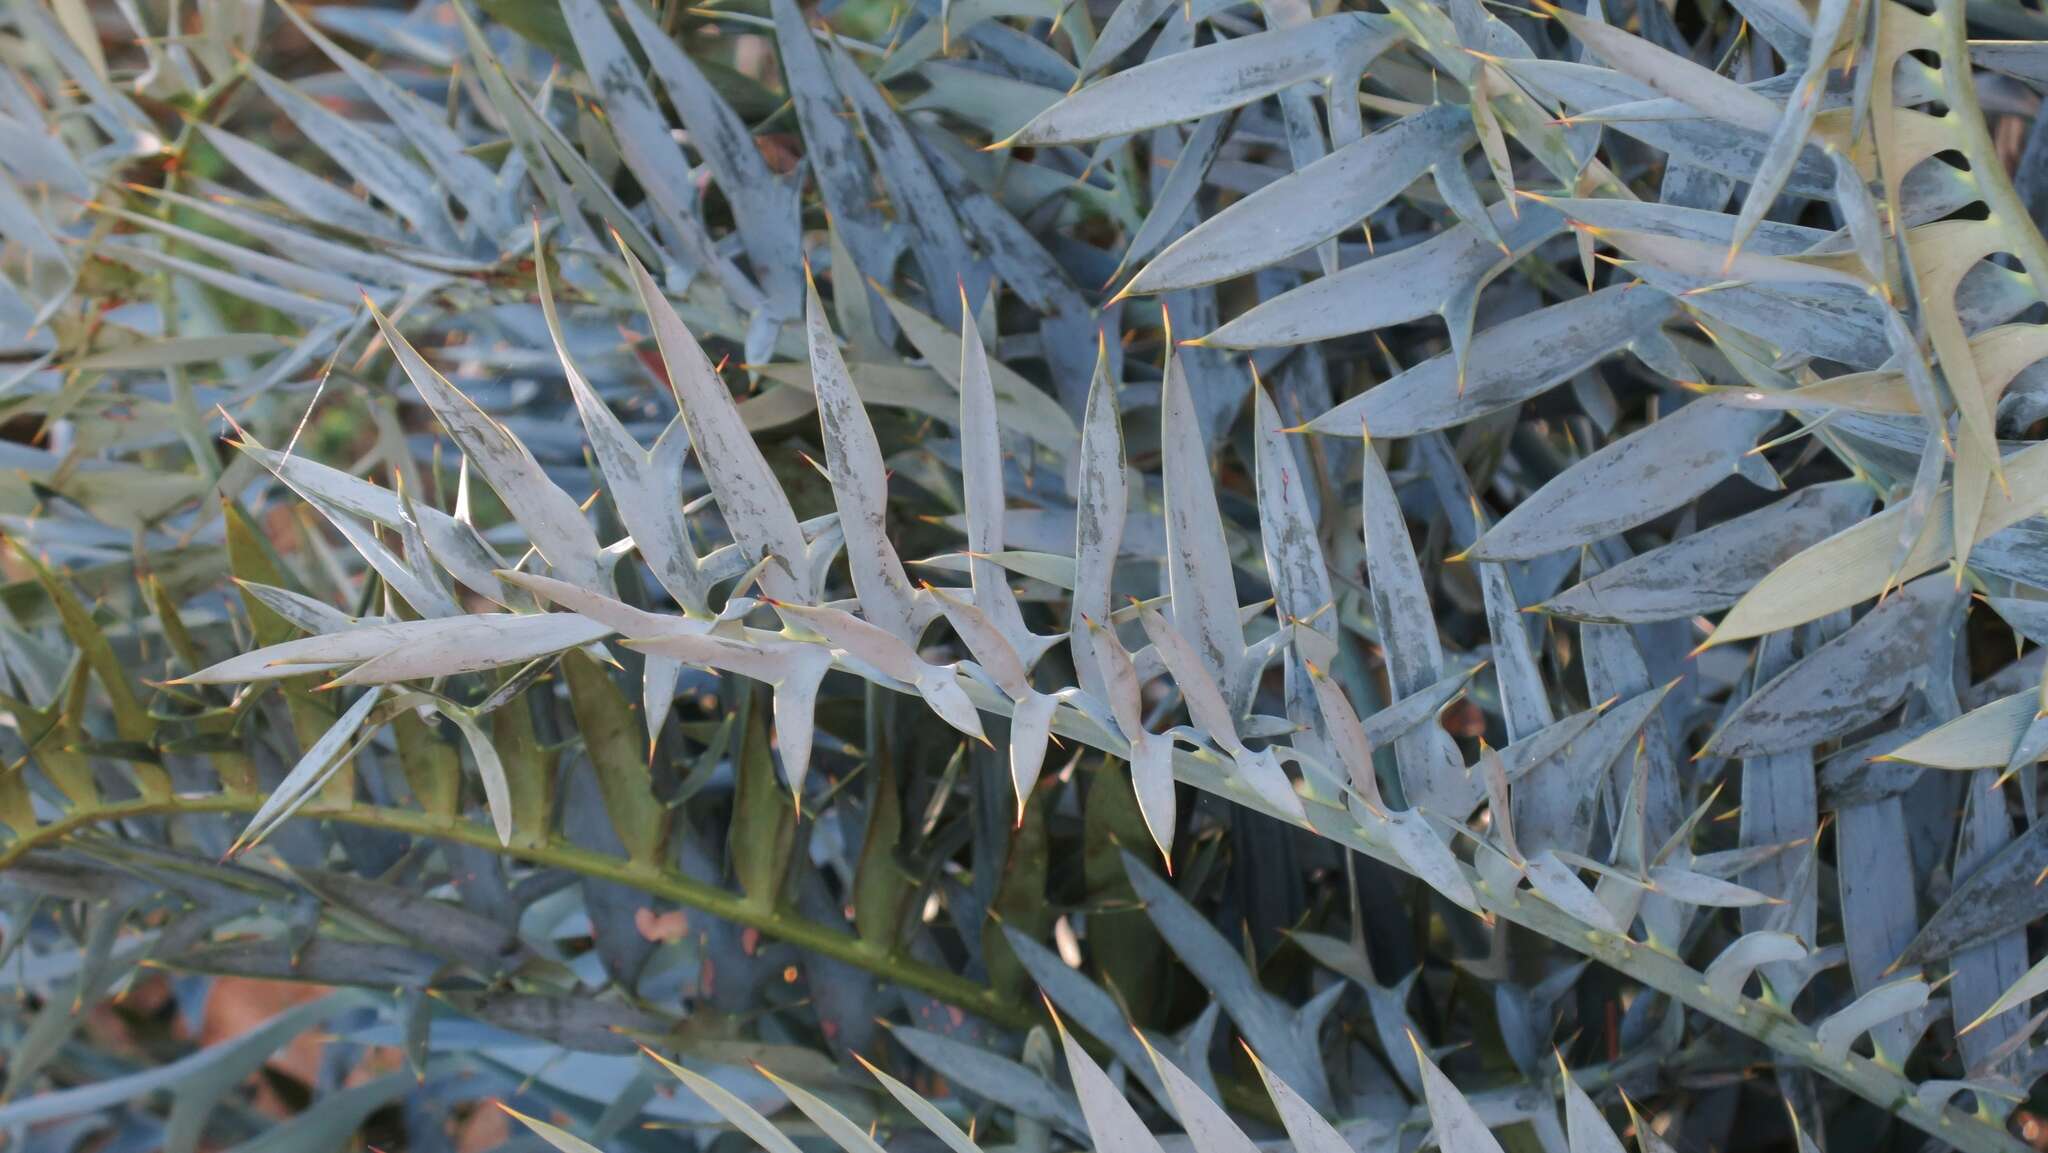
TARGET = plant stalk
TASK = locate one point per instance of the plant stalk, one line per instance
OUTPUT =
(775, 923)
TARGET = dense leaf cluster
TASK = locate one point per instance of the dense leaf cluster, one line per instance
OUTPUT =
(996, 574)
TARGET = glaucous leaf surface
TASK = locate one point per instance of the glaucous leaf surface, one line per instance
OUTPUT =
(768, 535)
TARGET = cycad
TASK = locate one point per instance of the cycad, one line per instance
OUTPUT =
(997, 466)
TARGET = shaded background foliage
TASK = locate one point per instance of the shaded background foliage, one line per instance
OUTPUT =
(1504, 254)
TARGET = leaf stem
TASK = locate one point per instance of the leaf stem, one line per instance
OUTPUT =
(778, 924)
